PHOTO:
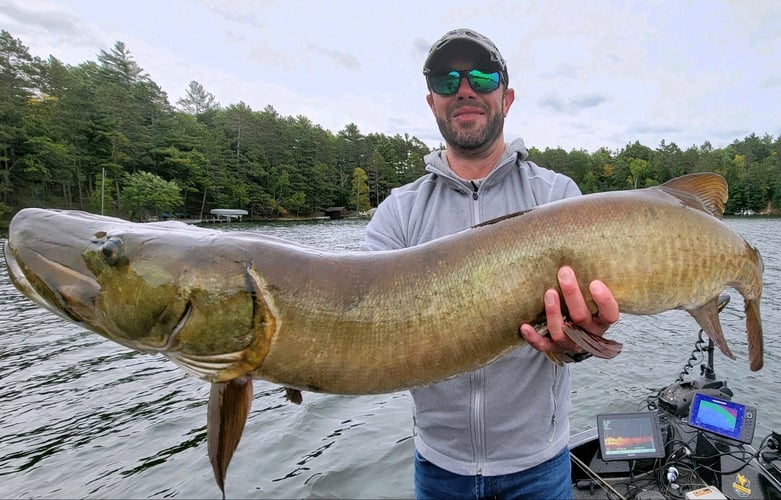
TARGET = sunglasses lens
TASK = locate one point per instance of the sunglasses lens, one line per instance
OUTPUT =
(483, 82)
(446, 84)
(480, 81)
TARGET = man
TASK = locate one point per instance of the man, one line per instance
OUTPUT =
(500, 431)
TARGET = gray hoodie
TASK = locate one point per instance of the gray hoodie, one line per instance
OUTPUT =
(512, 414)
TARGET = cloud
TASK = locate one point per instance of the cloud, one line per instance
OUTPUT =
(420, 46)
(565, 71)
(342, 58)
(62, 25)
(238, 14)
(729, 135)
(644, 128)
(772, 82)
(51, 21)
(573, 105)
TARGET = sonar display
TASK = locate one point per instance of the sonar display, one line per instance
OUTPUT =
(723, 417)
(718, 416)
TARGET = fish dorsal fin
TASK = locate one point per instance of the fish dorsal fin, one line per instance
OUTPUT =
(705, 190)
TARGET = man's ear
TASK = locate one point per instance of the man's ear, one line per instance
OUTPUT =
(509, 98)
(430, 101)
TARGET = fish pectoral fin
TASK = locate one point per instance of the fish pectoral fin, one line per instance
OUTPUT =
(229, 405)
(596, 345)
(707, 316)
(293, 395)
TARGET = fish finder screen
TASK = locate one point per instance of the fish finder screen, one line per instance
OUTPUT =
(630, 436)
(721, 417)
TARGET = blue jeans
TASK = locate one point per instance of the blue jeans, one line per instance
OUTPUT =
(551, 479)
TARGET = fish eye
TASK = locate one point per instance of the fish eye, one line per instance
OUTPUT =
(112, 251)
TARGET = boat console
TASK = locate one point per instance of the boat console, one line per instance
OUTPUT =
(692, 442)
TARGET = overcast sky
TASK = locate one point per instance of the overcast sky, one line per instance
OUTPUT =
(586, 74)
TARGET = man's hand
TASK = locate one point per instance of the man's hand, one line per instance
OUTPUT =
(579, 314)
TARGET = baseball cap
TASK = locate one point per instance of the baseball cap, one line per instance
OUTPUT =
(465, 41)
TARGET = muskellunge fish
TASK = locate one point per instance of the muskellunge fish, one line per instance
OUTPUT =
(229, 307)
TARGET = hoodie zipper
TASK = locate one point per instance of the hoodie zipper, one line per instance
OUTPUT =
(555, 404)
(475, 206)
(478, 419)
(474, 190)
(478, 376)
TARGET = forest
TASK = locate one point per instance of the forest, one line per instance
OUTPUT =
(103, 137)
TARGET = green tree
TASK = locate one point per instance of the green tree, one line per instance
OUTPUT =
(578, 168)
(197, 100)
(638, 168)
(17, 72)
(48, 164)
(146, 194)
(133, 103)
(360, 189)
(296, 203)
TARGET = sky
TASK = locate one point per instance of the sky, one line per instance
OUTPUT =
(586, 74)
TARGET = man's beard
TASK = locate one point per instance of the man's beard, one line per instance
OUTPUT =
(471, 141)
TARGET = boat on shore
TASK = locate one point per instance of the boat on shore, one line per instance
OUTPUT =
(226, 214)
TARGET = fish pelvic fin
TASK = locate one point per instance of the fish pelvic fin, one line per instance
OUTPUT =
(707, 316)
(756, 348)
(706, 191)
(596, 345)
(293, 395)
(229, 405)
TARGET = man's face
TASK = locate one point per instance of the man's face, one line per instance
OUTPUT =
(470, 122)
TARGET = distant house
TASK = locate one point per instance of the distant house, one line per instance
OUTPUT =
(336, 212)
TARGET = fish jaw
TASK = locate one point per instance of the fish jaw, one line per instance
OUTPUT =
(21, 282)
(55, 287)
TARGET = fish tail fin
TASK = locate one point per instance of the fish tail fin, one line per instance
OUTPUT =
(756, 349)
(707, 316)
(751, 290)
(229, 405)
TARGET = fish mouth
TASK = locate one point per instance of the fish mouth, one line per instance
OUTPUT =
(18, 278)
(63, 297)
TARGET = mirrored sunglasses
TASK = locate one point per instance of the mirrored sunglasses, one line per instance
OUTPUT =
(480, 81)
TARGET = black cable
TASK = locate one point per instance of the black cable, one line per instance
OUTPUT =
(699, 347)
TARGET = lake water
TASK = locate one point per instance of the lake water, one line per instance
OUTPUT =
(83, 417)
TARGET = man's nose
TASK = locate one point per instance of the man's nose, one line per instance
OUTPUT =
(464, 89)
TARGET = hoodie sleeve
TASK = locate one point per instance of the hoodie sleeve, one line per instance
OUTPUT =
(384, 231)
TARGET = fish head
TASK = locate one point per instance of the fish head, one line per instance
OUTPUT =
(150, 287)
(91, 271)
